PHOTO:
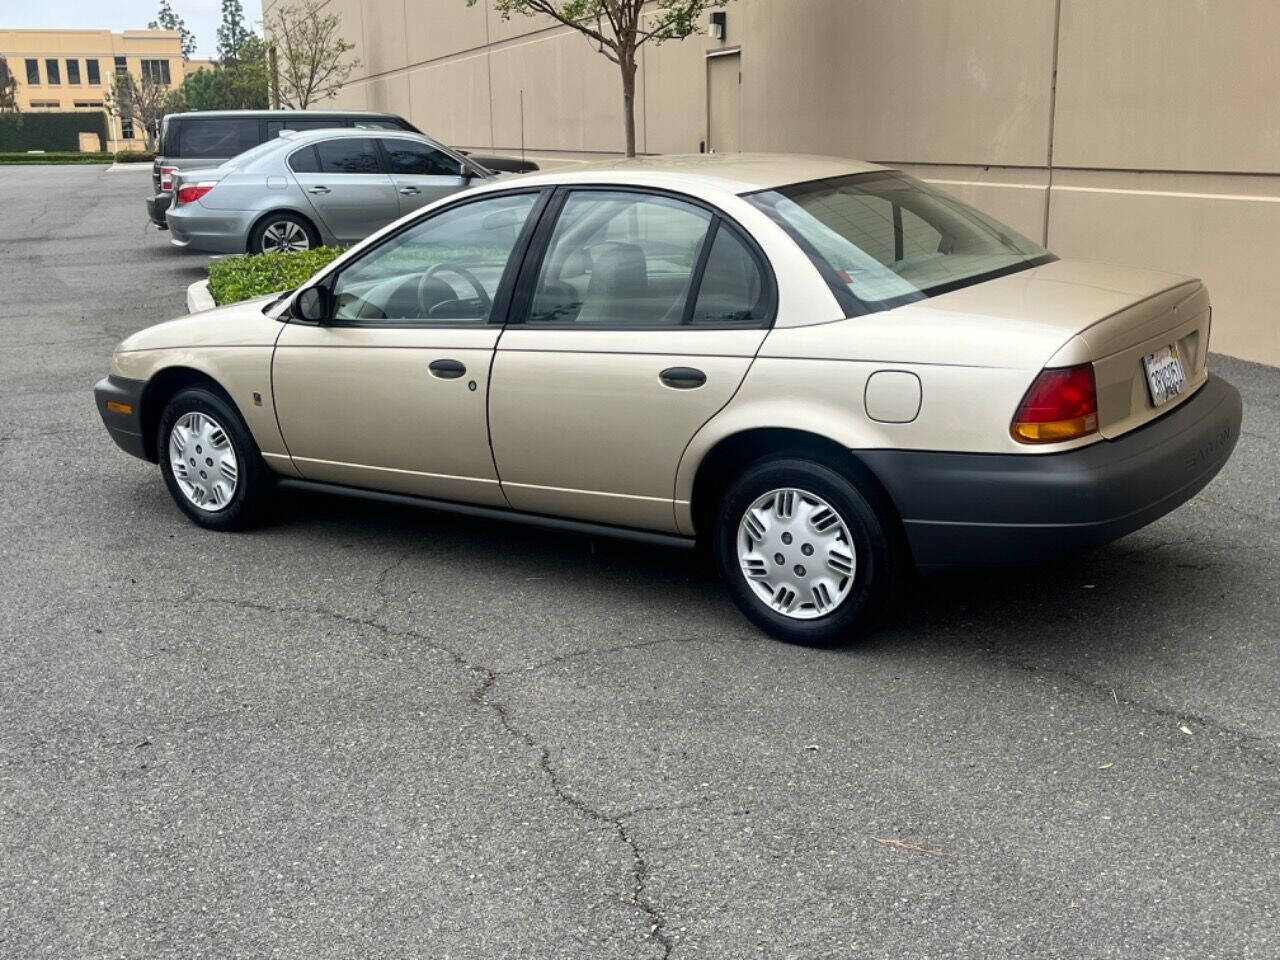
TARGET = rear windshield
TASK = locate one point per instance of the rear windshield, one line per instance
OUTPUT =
(884, 239)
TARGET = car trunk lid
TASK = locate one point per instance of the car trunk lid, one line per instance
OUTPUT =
(1164, 310)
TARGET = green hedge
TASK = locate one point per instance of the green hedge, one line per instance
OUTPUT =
(254, 275)
(56, 157)
(135, 156)
(49, 131)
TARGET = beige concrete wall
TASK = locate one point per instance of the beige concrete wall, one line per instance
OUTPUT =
(1125, 130)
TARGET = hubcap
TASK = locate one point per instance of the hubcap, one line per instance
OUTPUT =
(284, 236)
(203, 461)
(796, 553)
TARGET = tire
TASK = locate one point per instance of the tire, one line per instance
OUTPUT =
(215, 437)
(289, 230)
(829, 606)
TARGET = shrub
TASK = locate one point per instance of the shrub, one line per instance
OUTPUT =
(254, 275)
(49, 131)
(55, 157)
(135, 156)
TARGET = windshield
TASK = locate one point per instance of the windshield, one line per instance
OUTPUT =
(884, 239)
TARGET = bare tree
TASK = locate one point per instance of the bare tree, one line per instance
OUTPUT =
(8, 88)
(143, 102)
(619, 30)
(310, 52)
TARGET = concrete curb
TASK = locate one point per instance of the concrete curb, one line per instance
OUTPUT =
(199, 298)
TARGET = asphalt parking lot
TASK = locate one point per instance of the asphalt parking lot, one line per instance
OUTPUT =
(365, 732)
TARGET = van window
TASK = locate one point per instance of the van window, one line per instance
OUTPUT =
(275, 126)
(216, 138)
(380, 125)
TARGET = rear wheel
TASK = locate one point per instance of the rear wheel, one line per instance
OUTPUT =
(282, 233)
(804, 554)
(210, 463)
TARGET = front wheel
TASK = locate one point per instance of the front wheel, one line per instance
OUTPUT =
(804, 554)
(210, 463)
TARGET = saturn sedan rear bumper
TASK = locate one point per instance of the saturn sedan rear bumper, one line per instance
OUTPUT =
(965, 509)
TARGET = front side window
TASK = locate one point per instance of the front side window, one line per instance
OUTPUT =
(73, 72)
(884, 239)
(33, 73)
(52, 72)
(442, 270)
(620, 259)
(408, 158)
(95, 77)
(348, 156)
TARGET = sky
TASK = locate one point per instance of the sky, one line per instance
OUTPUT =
(202, 16)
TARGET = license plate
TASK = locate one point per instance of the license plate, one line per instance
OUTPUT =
(1165, 376)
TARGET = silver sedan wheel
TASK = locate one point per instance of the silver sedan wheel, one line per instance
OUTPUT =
(282, 236)
(203, 461)
(796, 553)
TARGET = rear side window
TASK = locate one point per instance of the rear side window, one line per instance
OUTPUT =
(216, 138)
(620, 259)
(732, 289)
(348, 156)
(408, 157)
(304, 161)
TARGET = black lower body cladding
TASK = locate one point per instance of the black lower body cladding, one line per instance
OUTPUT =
(964, 509)
(125, 428)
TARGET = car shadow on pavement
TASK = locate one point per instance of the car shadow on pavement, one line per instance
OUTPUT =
(1087, 606)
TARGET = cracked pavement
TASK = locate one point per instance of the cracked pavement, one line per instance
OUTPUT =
(365, 732)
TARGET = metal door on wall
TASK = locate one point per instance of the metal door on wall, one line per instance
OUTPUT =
(724, 102)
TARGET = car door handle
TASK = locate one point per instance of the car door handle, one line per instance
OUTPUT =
(447, 369)
(683, 378)
(319, 191)
(410, 191)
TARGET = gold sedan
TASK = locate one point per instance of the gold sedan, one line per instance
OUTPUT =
(824, 370)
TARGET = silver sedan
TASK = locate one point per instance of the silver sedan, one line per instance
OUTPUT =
(312, 188)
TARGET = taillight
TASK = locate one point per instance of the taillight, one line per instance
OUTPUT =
(193, 192)
(1062, 404)
(166, 177)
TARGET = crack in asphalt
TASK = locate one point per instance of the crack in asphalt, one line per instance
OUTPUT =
(487, 678)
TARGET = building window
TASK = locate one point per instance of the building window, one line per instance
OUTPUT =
(156, 70)
(126, 129)
(88, 104)
(95, 78)
(52, 72)
(122, 65)
(33, 73)
(73, 72)
(45, 104)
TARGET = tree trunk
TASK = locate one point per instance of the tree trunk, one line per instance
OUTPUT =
(628, 66)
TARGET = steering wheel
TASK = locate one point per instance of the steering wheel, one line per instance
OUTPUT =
(424, 282)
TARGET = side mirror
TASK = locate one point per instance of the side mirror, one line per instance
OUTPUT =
(314, 304)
